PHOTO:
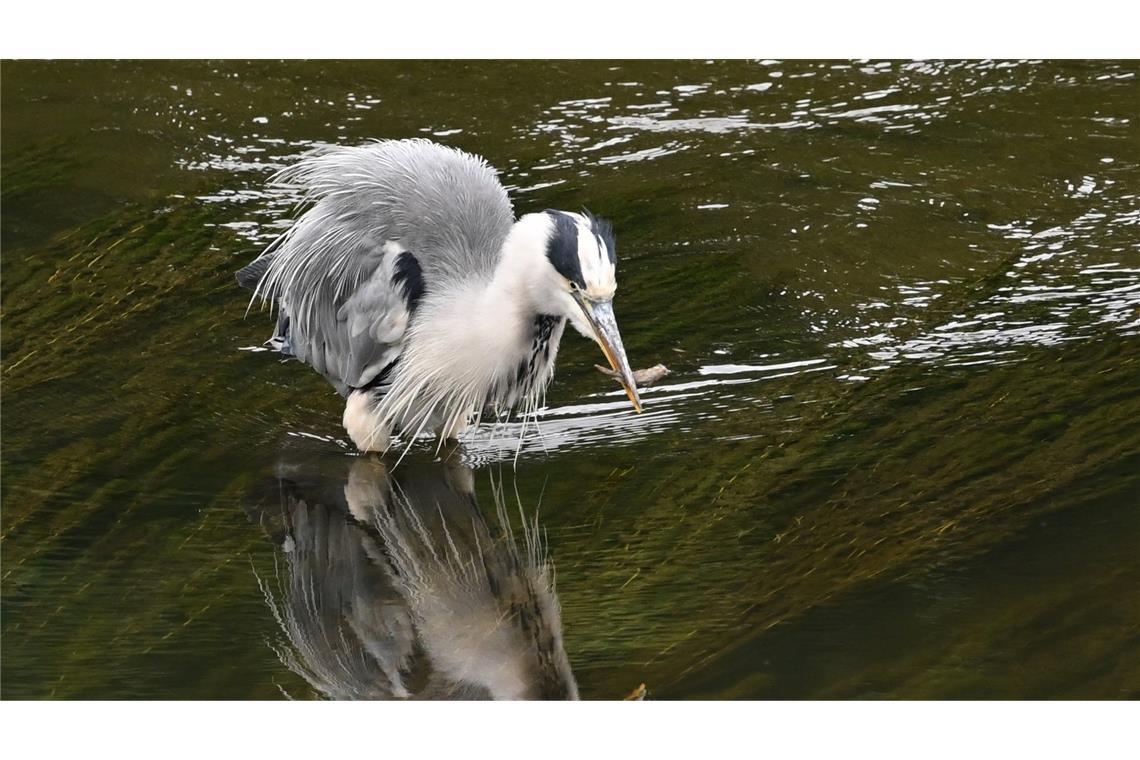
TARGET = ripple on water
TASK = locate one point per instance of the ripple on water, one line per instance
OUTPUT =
(1065, 282)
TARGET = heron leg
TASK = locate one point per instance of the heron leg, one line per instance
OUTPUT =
(451, 429)
(364, 424)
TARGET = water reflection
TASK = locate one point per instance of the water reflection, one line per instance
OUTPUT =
(394, 584)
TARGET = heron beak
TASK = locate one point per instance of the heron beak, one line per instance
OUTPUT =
(600, 315)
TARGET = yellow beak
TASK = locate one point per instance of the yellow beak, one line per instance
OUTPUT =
(600, 315)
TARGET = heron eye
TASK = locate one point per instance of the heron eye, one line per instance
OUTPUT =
(574, 285)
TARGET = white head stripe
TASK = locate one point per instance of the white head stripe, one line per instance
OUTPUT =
(594, 258)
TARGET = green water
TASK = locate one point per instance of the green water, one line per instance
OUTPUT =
(898, 454)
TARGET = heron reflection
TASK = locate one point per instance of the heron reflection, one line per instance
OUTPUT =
(394, 585)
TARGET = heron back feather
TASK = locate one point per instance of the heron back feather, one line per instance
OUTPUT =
(389, 221)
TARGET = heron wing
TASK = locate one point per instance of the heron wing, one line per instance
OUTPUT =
(389, 223)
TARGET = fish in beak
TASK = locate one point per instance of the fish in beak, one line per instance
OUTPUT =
(600, 315)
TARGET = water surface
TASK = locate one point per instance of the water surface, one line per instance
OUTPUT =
(898, 454)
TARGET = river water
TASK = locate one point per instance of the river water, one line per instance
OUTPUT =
(898, 453)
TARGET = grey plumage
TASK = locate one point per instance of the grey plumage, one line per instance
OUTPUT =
(330, 274)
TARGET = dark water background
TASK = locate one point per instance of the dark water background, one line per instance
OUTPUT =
(898, 456)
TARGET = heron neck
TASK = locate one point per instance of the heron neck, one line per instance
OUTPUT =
(514, 287)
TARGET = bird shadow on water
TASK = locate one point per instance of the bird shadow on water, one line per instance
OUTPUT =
(394, 583)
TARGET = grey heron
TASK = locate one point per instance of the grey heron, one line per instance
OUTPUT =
(409, 285)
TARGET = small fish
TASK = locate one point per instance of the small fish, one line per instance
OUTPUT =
(643, 377)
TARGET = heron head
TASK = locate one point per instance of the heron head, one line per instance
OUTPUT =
(582, 256)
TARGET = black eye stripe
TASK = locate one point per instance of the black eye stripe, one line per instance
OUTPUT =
(562, 248)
